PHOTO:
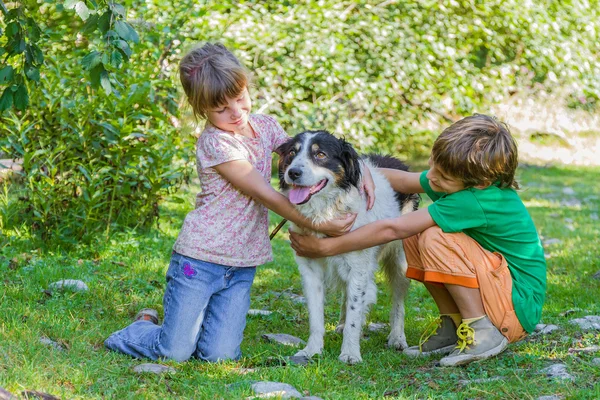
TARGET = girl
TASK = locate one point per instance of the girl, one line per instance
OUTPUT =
(223, 240)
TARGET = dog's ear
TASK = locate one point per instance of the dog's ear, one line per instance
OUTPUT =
(350, 162)
(284, 161)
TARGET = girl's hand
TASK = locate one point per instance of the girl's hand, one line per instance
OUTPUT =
(368, 186)
(309, 246)
(337, 227)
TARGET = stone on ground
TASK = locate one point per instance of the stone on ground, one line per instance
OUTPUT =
(153, 368)
(72, 284)
(259, 312)
(376, 327)
(267, 389)
(6, 395)
(51, 343)
(590, 322)
(283, 338)
(543, 329)
(596, 361)
(558, 372)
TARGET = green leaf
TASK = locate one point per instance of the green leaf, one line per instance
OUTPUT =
(123, 47)
(105, 82)
(104, 22)
(91, 24)
(117, 9)
(11, 29)
(121, 27)
(82, 10)
(33, 30)
(6, 74)
(91, 60)
(21, 98)
(32, 73)
(95, 75)
(38, 56)
(6, 101)
(116, 59)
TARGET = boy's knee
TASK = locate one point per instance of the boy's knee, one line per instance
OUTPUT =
(215, 355)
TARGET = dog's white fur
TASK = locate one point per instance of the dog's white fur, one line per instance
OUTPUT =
(353, 271)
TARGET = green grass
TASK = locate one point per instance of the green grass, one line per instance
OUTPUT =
(126, 272)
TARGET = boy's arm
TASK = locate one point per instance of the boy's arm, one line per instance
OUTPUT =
(373, 234)
(403, 181)
(249, 181)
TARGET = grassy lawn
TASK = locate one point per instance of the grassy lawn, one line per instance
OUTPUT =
(126, 272)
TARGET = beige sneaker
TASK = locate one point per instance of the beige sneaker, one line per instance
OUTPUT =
(441, 340)
(476, 341)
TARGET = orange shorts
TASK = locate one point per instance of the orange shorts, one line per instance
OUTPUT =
(441, 258)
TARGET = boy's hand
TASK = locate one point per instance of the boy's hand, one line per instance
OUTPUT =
(309, 246)
(337, 227)
(368, 186)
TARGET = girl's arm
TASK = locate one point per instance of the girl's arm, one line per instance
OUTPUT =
(373, 234)
(403, 181)
(248, 180)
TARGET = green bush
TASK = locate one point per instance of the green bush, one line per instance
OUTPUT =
(374, 72)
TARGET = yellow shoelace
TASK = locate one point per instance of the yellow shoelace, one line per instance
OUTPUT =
(466, 336)
(429, 331)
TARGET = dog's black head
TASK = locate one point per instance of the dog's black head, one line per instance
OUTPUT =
(316, 162)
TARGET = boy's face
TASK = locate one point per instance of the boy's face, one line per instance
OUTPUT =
(232, 116)
(440, 181)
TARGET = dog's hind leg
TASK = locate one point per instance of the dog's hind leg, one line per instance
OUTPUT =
(361, 293)
(313, 283)
(395, 270)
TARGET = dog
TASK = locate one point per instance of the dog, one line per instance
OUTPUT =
(321, 175)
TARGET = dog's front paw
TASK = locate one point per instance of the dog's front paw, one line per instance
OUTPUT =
(397, 342)
(306, 352)
(350, 359)
(340, 328)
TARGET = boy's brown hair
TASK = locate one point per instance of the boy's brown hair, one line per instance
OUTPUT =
(209, 75)
(478, 150)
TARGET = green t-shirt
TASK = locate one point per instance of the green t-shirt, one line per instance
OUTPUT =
(498, 220)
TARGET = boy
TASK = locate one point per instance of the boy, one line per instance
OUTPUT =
(475, 248)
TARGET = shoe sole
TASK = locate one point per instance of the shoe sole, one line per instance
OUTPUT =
(414, 351)
(468, 358)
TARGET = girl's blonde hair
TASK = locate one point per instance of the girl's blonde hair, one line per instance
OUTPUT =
(209, 75)
(478, 149)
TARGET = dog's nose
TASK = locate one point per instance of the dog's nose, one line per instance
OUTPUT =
(294, 173)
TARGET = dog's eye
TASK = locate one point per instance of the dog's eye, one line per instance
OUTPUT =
(320, 155)
(292, 153)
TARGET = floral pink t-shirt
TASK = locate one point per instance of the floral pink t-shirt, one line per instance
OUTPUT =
(228, 227)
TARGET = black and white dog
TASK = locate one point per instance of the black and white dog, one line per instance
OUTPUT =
(321, 175)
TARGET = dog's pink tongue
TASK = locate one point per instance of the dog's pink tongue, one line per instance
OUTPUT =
(299, 194)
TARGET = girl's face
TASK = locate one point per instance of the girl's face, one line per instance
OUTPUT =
(233, 115)
(440, 181)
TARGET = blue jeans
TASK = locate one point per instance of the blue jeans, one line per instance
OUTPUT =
(205, 307)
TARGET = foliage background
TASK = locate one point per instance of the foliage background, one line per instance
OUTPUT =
(103, 138)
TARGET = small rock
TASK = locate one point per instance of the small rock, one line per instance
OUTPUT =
(568, 312)
(596, 275)
(311, 398)
(543, 329)
(590, 349)
(575, 203)
(596, 361)
(557, 371)
(569, 220)
(549, 242)
(6, 395)
(588, 322)
(554, 215)
(283, 338)
(570, 227)
(29, 394)
(465, 382)
(73, 284)
(259, 312)
(377, 326)
(594, 216)
(568, 191)
(552, 397)
(153, 368)
(51, 343)
(298, 360)
(297, 298)
(267, 389)
(244, 371)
